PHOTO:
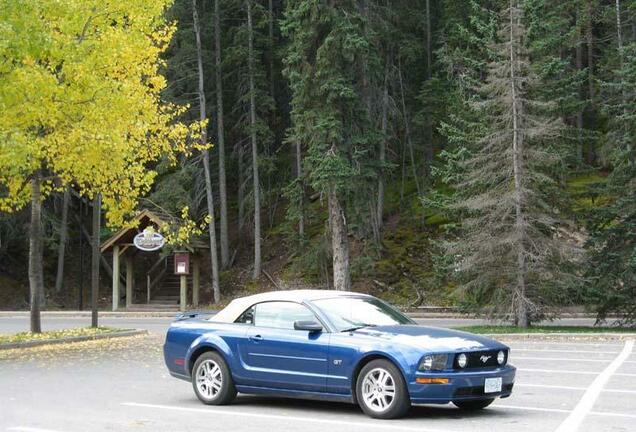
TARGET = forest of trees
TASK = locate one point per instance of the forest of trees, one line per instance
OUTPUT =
(474, 153)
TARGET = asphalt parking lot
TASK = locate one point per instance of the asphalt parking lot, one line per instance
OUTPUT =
(122, 385)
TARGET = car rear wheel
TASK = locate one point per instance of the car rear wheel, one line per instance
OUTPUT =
(473, 405)
(212, 380)
(381, 390)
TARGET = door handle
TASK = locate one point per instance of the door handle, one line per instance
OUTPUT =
(256, 338)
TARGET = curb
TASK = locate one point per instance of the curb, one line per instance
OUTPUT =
(36, 343)
(568, 336)
(87, 314)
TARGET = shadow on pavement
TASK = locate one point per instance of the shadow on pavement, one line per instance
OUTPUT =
(318, 406)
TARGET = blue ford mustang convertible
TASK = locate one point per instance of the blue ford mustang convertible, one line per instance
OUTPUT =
(334, 345)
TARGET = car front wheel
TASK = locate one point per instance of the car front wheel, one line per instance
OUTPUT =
(212, 380)
(473, 405)
(381, 390)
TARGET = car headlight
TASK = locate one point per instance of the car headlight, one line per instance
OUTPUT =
(433, 362)
(501, 357)
(462, 360)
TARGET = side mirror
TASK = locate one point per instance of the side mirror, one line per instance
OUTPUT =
(310, 326)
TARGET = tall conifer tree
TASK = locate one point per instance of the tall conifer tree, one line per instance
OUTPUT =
(509, 251)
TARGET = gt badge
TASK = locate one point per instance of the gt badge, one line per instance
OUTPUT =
(337, 362)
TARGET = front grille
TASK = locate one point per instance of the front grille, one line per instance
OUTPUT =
(481, 359)
(479, 390)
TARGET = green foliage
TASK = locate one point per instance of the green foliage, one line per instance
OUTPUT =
(612, 244)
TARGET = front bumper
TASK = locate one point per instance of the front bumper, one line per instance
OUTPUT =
(463, 385)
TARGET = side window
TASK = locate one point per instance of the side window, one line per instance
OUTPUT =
(246, 317)
(281, 314)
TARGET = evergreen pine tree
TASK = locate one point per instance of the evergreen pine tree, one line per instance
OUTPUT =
(510, 253)
(612, 245)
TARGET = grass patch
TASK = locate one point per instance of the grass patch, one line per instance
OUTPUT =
(499, 329)
(56, 334)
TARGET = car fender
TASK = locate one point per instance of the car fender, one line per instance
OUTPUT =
(393, 355)
(213, 342)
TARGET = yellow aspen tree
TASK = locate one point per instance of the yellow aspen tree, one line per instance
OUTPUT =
(80, 97)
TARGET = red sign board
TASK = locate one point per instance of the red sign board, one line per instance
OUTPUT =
(182, 263)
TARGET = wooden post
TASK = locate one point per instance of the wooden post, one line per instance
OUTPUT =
(184, 292)
(95, 254)
(129, 280)
(195, 282)
(115, 277)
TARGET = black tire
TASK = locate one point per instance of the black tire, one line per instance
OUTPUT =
(221, 395)
(400, 402)
(473, 405)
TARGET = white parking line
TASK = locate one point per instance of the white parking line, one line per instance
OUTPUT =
(557, 371)
(574, 344)
(569, 359)
(563, 411)
(517, 384)
(562, 359)
(526, 408)
(585, 405)
(236, 413)
(574, 351)
(28, 429)
(571, 372)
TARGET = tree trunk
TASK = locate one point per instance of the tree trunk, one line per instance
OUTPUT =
(366, 84)
(299, 177)
(339, 243)
(579, 115)
(270, 151)
(206, 160)
(97, 210)
(621, 57)
(619, 32)
(61, 249)
(270, 24)
(429, 54)
(255, 178)
(429, 75)
(521, 310)
(220, 139)
(589, 36)
(36, 277)
(241, 188)
(383, 145)
(407, 131)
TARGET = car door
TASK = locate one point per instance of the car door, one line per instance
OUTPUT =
(277, 356)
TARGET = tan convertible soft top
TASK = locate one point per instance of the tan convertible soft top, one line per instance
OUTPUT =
(236, 307)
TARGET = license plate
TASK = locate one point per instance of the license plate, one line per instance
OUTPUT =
(492, 385)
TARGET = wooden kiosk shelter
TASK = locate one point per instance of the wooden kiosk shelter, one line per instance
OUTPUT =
(166, 274)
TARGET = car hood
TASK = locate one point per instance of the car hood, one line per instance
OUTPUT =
(431, 339)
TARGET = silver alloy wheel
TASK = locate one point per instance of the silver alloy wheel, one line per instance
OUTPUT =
(209, 379)
(378, 390)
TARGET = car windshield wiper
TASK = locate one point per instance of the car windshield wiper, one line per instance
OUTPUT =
(358, 327)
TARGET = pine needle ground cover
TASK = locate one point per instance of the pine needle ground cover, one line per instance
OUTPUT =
(56, 334)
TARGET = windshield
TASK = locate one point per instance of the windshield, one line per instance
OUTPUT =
(350, 313)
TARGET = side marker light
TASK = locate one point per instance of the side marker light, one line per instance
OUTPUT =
(432, 380)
